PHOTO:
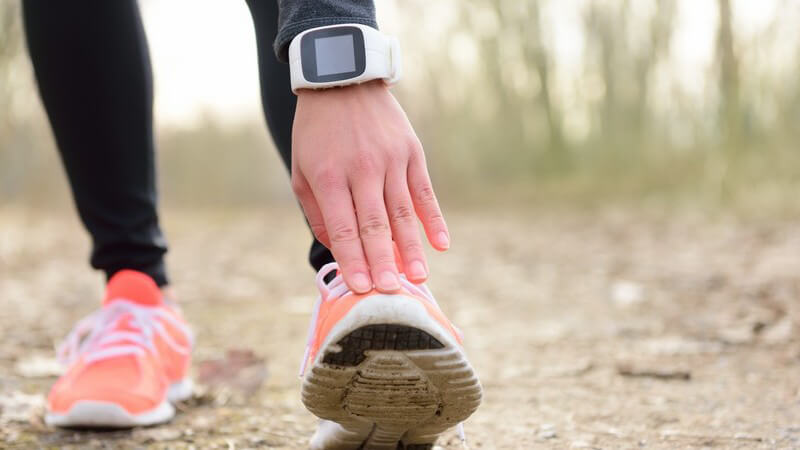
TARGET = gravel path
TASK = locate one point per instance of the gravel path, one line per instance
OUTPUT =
(606, 330)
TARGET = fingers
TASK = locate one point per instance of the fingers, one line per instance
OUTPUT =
(426, 205)
(311, 209)
(376, 233)
(403, 221)
(336, 205)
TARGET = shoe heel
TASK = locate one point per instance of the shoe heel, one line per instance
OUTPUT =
(404, 381)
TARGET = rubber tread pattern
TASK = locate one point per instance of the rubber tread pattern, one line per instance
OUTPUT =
(379, 337)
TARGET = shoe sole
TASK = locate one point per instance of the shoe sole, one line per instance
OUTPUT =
(100, 414)
(398, 383)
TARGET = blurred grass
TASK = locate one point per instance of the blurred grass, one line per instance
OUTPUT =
(517, 127)
(236, 166)
(212, 166)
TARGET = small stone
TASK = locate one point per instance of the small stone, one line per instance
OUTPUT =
(256, 441)
(38, 366)
(547, 434)
(626, 293)
(746, 437)
(779, 333)
(583, 440)
(20, 407)
(546, 431)
(670, 433)
(156, 434)
(676, 345)
(11, 436)
(736, 335)
(628, 369)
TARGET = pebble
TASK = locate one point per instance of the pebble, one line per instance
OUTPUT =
(779, 333)
(627, 293)
(546, 431)
(38, 366)
(736, 335)
(156, 434)
(676, 345)
(20, 407)
(747, 437)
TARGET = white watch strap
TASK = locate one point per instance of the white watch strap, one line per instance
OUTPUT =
(395, 61)
(383, 60)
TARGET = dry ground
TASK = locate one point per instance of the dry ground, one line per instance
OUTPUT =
(588, 330)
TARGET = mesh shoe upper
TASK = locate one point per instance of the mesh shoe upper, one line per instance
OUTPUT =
(127, 353)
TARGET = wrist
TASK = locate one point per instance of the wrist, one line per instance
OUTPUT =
(344, 91)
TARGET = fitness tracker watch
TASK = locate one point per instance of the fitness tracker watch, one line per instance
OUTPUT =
(340, 55)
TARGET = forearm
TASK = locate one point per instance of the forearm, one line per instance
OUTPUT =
(297, 16)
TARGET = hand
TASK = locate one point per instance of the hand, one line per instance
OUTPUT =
(359, 172)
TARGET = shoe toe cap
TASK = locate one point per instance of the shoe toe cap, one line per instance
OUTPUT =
(133, 387)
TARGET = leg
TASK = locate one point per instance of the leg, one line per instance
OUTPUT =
(277, 98)
(93, 69)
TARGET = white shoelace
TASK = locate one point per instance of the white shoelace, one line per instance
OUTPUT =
(95, 338)
(337, 289)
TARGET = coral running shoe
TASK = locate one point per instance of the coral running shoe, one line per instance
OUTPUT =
(125, 362)
(385, 371)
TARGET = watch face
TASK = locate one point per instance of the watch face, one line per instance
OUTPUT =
(333, 54)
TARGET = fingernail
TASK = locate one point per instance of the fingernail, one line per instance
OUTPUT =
(361, 282)
(416, 270)
(443, 240)
(389, 281)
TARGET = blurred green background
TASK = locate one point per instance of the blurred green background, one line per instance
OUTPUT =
(519, 103)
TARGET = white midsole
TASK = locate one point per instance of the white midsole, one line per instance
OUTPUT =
(180, 390)
(387, 309)
(96, 413)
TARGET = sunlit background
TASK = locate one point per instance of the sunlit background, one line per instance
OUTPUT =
(580, 102)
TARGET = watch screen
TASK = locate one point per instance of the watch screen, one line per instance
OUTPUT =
(335, 55)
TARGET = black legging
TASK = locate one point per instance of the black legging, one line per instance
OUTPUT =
(93, 69)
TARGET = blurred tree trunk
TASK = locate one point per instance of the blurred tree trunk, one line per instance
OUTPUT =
(9, 50)
(730, 106)
(600, 35)
(536, 54)
(660, 34)
(509, 103)
(10, 134)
